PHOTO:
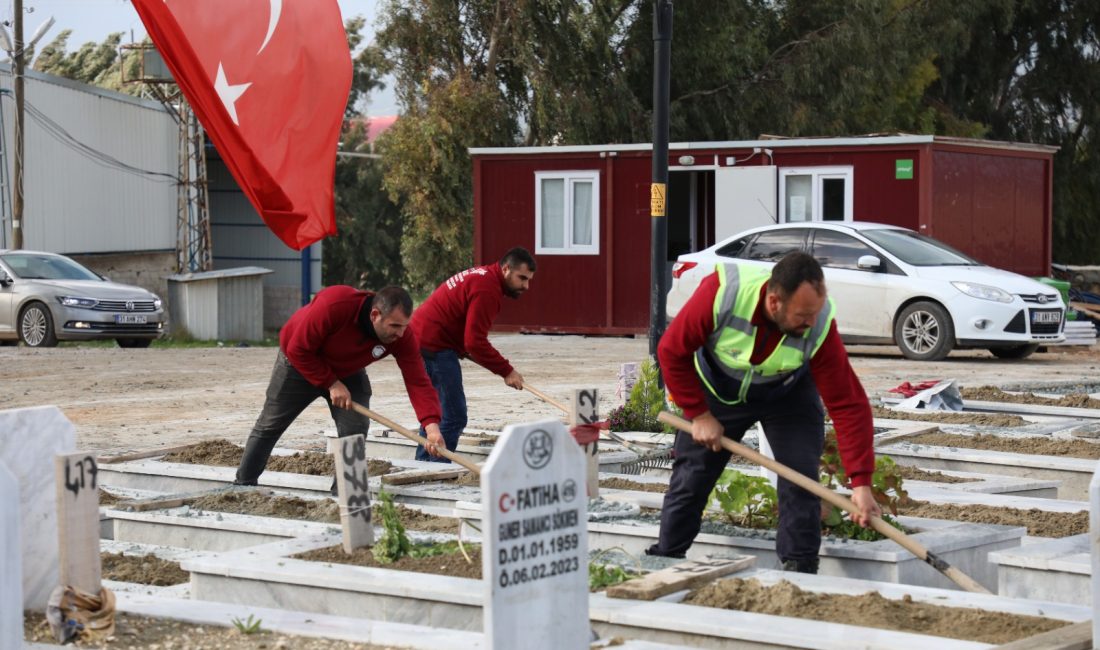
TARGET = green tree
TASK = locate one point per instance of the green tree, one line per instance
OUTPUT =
(98, 64)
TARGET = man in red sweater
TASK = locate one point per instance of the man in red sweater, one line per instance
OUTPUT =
(323, 351)
(453, 324)
(757, 346)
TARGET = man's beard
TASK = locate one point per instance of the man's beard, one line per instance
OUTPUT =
(513, 293)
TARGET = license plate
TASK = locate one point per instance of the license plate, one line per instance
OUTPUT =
(1045, 317)
(131, 319)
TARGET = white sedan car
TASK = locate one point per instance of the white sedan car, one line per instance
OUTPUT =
(895, 286)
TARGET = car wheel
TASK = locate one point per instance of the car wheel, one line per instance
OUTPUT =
(133, 343)
(923, 331)
(36, 326)
(1016, 351)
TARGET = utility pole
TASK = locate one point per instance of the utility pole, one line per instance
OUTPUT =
(658, 192)
(18, 61)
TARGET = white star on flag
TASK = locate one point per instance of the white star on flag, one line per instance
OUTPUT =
(229, 94)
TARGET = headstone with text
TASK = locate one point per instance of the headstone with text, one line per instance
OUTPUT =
(1094, 550)
(11, 563)
(353, 492)
(585, 410)
(535, 540)
(78, 520)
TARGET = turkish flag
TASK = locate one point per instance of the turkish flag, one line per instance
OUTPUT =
(269, 80)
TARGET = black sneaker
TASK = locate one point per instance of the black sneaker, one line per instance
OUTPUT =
(801, 566)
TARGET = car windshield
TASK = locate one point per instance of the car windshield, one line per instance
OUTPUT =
(32, 266)
(916, 249)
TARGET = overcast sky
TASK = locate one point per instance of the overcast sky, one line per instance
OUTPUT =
(92, 20)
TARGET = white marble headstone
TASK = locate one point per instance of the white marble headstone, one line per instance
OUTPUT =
(29, 440)
(11, 563)
(535, 540)
(1094, 550)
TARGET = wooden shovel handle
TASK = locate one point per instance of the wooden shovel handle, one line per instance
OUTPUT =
(443, 451)
(810, 485)
(544, 397)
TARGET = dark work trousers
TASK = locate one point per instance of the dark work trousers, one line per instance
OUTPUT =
(445, 371)
(795, 427)
(288, 394)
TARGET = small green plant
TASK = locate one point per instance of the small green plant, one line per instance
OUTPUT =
(645, 403)
(887, 487)
(602, 576)
(749, 501)
(394, 543)
(251, 625)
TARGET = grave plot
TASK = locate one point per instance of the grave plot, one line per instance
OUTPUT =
(1048, 518)
(1030, 457)
(270, 576)
(145, 568)
(991, 399)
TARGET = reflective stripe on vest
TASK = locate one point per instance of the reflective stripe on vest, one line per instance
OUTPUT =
(730, 346)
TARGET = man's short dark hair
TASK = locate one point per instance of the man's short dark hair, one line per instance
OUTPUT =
(517, 257)
(794, 269)
(390, 298)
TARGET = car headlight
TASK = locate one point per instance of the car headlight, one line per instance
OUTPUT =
(157, 302)
(983, 291)
(70, 301)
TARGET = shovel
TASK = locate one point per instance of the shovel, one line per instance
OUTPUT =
(443, 451)
(810, 485)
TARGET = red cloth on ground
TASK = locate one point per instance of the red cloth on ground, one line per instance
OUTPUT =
(832, 373)
(323, 341)
(458, 315)
(909, 390)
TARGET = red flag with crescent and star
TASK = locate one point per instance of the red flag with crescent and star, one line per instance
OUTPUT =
(269, 81)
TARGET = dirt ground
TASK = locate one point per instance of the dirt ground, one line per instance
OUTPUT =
(453, 564)
(870, 610)
(1040, 523)
(139, 399)
(1023, 445)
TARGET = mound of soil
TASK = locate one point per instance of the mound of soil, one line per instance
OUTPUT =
(911, 473)
(994, 394)
(1029, 445)
(870, 610)
(627, 484)
(223, 453)
(444, 565)
(263, 505)
(325, 511)
(142, 569)
(142, 633)
(981, 419)
(1040, 523)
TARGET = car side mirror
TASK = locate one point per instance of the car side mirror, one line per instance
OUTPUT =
(5, 279)
(869, 263)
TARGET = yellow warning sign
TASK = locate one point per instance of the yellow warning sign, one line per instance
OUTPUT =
(657, 199)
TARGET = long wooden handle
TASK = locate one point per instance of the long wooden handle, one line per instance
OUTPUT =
(443, 451)
(544, 397)
(810, 485)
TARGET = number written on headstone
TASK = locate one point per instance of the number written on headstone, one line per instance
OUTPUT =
(80, 474)
(353, 492)
(585, 406)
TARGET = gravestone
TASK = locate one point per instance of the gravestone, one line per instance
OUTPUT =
(353, 492)
(1094, 550)
(11, 573)
(585, 410)
(535, 540)
(78, 521)
(29, 440)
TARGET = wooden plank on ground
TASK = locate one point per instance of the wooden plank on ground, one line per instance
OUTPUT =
(353, 492)
(145, 453)
(686, 575)
(78, 520)
(423, 476)
(1071, 637)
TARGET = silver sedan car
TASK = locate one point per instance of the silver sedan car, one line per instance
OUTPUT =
(46, 298)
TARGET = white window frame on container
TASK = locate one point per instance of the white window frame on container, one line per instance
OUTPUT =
(565, 242)
(813, 210)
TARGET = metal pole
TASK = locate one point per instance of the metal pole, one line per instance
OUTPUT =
(662, 56)
(19, 61)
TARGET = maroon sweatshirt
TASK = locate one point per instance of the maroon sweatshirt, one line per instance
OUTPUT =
(832, 374)
(324, 341)
(458, 315)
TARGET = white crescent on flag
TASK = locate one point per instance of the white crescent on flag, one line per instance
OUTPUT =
(273, 21)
